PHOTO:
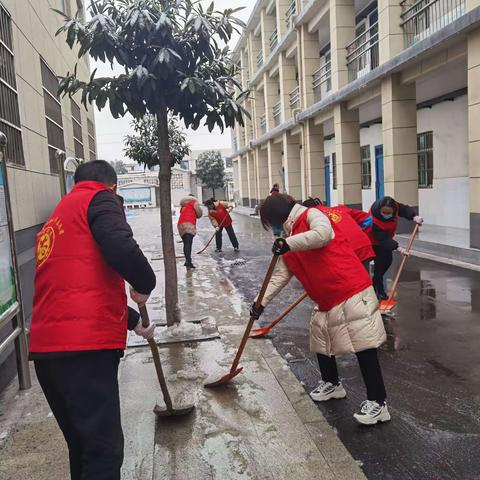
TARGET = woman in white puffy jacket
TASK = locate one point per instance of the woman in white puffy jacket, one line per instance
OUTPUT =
(347, 318)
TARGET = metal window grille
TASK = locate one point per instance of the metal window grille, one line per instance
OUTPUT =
(177, 182)
(363, 53)
(9, 110)
(425, 159)
(53, 116)
(277, 114)
(79, 152)
(77, 129)
(334, 170)
(366, 167)
(92, 147)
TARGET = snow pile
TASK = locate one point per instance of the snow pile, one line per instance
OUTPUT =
(182, 329)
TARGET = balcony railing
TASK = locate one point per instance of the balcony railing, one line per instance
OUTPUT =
(290, 13)
(273, 40)
(322, 81)
(422, 18)
(263, 124)
(277, 114)
(362, 53)
(260, 59)
(235, 145)
(294, 97)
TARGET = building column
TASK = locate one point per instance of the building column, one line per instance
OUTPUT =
(271, 93)
(254, 48)
(292, 165)
(347, 144)
(474, 135)
(399, 121)
(263, 176)
(244, 181)
(237, 196)
(268, 26)
(309, 63)
(275, 164)
(252, 179)
(314, 160)
(288, 81)
(390, 33)
(281, 9)
(342, 32)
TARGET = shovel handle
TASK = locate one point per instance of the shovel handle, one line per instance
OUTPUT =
(299, 300)
(157, 361)
(258, 302)
(402, 264)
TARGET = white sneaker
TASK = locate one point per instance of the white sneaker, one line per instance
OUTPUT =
(372, 412)
(326, 391)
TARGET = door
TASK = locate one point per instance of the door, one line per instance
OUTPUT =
(379, 177)
(328, 199)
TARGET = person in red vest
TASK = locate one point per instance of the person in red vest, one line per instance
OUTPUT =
(381, 224)
(190, 212)
(85, 252)
(347, 318)
(343, 216)
(218, 213)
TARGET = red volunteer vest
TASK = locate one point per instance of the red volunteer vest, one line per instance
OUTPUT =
(330, 275)
(356, 237)
(221, 215)
(79, 302)
(188, 214)
(389, 227)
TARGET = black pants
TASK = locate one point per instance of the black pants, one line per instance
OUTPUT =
(231, 236)
(370, 368)
(383, 261)
(82, 391)
(187, 239)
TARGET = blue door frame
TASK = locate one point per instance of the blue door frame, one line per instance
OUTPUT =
(328, 198)
(379, 174)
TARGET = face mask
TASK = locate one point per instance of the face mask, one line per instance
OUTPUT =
(386, 217)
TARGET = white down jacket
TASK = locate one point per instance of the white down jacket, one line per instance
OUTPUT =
(350, 327)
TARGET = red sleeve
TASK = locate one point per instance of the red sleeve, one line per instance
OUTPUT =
(358, 215)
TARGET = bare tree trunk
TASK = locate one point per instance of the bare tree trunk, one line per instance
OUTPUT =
(168, 245)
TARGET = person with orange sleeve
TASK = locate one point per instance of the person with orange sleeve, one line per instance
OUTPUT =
(218, 213)
(381, 224)
(347, 318)
(190, 212)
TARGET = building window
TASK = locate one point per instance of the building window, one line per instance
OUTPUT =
(9, 111)
(334, 171)
(177, 182)
(91, 140)
(53, 116)
(77, 130)
(366, 167)
(425, 159)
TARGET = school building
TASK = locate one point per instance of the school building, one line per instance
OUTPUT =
(45, 133)
(352, 100)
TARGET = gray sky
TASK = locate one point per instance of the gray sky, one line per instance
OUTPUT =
(110, 132)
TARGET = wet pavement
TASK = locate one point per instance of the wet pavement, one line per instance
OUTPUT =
(431, 364)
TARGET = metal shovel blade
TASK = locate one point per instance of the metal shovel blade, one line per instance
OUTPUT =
(174, 412)
(260, 332)
(387, 305)
(215, 380)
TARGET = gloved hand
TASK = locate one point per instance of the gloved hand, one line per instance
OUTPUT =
(280, 247)
(139, 298)
(418, 220)
(145, 332)
(403, 251)
(256, 312)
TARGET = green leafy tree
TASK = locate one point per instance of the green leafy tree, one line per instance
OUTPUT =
(211, 170)
(119, 166)
(142, 147)
(175, 61)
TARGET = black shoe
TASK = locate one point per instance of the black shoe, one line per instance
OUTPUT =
(380, 292)
(236, 249)
(218, 250)
(190, 266)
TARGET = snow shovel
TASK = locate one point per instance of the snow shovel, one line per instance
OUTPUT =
(261, 332)
(234, 371)
(389, 304)
(169, 410)
(213, 236)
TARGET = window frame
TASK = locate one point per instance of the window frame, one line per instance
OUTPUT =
(425, 159)
(366, 167)
(333, 159)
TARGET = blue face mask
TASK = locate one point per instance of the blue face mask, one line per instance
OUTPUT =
(386, 217)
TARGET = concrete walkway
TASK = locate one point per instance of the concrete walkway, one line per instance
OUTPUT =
(262, 425)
